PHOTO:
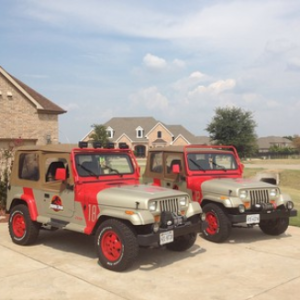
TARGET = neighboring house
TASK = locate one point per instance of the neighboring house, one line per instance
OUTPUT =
(142, 133)
(265, 143)
(27, 117)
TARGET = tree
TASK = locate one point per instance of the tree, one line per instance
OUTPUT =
(296, 142)
(99, 134)
(236, 127)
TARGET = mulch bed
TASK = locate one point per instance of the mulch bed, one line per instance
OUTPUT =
(3, 217)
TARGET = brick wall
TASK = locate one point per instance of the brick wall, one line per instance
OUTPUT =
(20, 118)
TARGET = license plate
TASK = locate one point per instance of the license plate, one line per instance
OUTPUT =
(253, 219)
(166, 237)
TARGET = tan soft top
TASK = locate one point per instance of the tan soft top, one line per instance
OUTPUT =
(49, 148)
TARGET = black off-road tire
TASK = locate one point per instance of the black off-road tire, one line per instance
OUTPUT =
(274, 227)
(182, 243)
(116, 245)
(22, 229)
(218, 226)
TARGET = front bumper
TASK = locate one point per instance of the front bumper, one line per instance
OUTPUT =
(154, 237)
(266, 215)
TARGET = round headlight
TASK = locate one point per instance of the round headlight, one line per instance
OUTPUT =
(182, 201)
(243, 194)
(152, 206)
(273, 193)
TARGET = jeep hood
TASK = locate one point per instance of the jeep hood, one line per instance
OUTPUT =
(222, 185)
(130, 195)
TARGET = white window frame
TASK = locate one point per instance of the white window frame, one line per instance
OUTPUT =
(110, 132)
(139, 132)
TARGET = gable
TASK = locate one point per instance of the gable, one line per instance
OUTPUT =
(128, 126)
(41, 103)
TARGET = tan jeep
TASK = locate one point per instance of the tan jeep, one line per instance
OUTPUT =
(213, 177)
(96, 191)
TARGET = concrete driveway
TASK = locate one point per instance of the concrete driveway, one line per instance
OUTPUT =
(63, 265)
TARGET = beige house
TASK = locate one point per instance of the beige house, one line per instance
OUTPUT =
(27, 117)
(142, 133)
(265, 143)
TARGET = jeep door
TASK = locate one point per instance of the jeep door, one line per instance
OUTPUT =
(58, 195)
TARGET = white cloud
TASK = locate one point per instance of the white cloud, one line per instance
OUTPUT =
(150, 98)
(189, 82)
(197, 75)
(222, 85)
(214, 88)
(179, 63)
(154, 62)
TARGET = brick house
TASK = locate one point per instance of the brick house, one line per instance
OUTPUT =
(142, 133)
(26, 116)
(265, 143)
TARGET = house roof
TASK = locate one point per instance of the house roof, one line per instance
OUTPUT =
(128, 125)
(42, 104)
(267, 142)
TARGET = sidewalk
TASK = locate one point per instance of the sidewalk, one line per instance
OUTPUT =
(63, 265)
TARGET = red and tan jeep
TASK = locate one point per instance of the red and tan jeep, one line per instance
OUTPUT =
(213, 176)
(97, 192)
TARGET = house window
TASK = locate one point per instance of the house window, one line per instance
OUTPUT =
(110, 132)
(159, 134)
(139, 132)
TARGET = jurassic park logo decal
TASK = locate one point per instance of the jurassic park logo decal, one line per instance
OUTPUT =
(56, 203)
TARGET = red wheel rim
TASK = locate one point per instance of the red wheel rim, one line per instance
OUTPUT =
(18, 225)
(111, 245)
(212, 223)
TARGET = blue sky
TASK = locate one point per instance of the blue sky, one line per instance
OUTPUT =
(176, 61)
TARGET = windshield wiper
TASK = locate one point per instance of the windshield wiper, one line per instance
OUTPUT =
(219, 166)
(197, 165)
(112, 170)
(88, 170)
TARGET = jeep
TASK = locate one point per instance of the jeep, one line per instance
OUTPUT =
(96, 191)
(213, 177)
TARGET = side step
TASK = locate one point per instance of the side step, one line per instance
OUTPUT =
(57, 223)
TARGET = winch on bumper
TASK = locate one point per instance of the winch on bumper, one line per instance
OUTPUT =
(170, 227)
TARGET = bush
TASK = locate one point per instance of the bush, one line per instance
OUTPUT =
(5, 168)
(3, 188)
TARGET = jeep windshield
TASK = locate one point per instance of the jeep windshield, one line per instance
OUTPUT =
(211, 161)
(103, 164)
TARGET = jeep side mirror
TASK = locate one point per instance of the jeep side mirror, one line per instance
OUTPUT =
(60, 174)
(176, 169)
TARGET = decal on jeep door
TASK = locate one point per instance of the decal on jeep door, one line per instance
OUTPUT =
(56, 203)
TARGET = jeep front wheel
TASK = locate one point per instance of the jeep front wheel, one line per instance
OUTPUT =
(22, 229)
(116, 245)
(274, 227)
(182, 243)
(218, 225)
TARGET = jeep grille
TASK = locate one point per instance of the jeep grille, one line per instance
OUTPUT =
(170, 205)
(259, 196)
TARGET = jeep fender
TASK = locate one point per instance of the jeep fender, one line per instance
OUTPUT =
(28, 198)
(283, 198)
(193, 209)
(226, 201)
(135, 217)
